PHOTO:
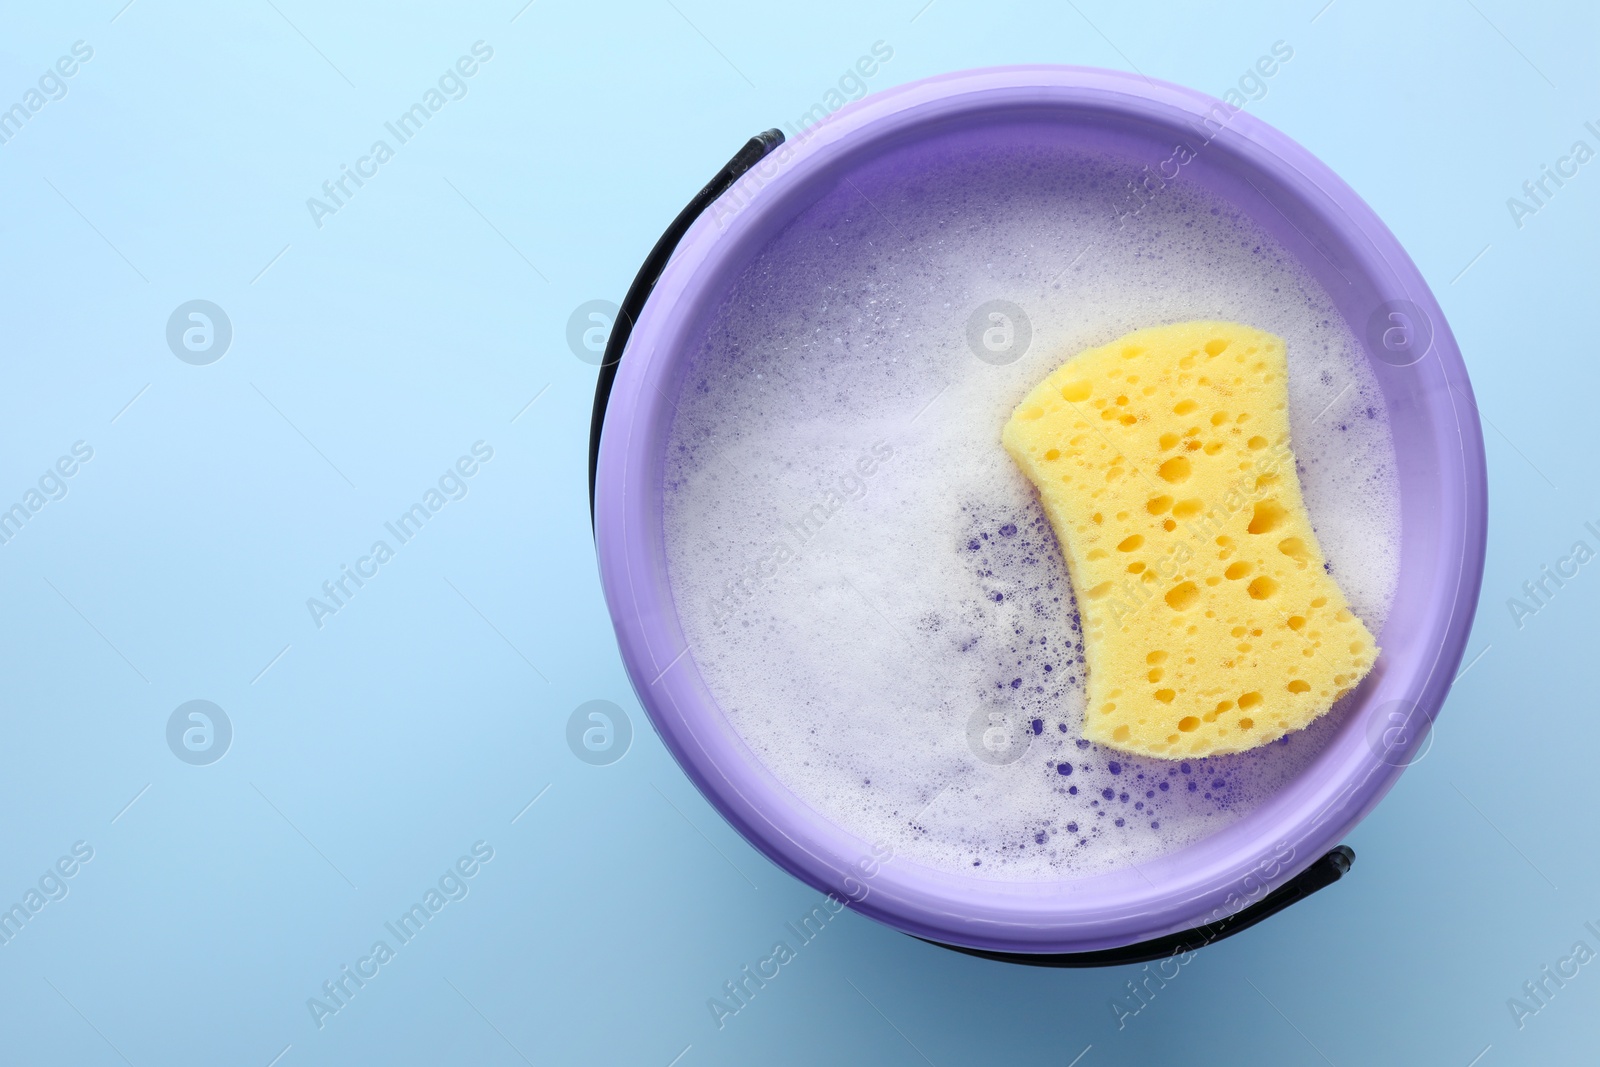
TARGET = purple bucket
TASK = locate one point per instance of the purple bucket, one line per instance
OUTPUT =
(1439, 456)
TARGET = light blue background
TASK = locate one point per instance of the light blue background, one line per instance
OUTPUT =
(424, 716)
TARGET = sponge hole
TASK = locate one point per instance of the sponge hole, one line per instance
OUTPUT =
(1178, 469)
(1268, 516)
(1262, 587)
(1182, 596)
(1295, 549)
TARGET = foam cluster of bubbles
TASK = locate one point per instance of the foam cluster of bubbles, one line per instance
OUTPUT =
(869, 587)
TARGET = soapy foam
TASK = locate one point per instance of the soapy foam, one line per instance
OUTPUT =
(867, 583)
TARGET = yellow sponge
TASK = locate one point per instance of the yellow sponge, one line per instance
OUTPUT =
(1163, 462)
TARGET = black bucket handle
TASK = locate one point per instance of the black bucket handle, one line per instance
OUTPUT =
(1327, 870)
(754, 151)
